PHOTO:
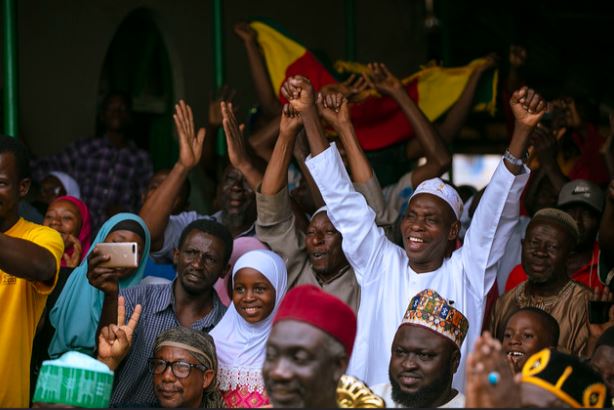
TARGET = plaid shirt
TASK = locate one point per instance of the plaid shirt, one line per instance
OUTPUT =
(133, 382)
(106, 175)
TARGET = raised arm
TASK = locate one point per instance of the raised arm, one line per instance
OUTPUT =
(158, 206)
(528, 108)
(457, 116)
(438, 158)
(347, 209)
(260, 77)
(301, 95)
(277, 219)
(238, 148)
(498, 210)
(276, 174)
(335, 110)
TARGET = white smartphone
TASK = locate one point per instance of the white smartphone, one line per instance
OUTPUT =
(123, 254)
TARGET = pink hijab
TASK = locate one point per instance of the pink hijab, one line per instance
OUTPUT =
(239, 247)
(85, 234)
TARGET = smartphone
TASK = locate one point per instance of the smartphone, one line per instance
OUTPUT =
(598, 311)
(123, 254)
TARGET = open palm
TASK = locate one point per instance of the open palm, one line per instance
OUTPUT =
(190, 142)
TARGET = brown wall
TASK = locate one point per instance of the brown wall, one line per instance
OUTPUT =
(62, 45)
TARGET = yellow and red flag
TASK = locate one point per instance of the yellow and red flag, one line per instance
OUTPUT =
(378, 120)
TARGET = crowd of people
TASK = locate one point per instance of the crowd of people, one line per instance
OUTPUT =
(311, 285)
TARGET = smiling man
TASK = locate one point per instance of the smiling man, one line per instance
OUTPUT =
(313, 256)
(29, 264)
(425, 355)
(389, 275)
(308, 349)
(550, 238)
(190, 301)
(184, 367)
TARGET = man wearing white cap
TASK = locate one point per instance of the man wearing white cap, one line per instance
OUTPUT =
(389, 275)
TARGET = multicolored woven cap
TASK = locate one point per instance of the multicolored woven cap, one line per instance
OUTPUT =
(428, 309)
(74, 379)
(565, 376)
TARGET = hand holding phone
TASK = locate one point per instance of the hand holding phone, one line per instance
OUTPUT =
(123, 254)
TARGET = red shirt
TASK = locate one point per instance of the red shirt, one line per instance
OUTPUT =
(587, 275)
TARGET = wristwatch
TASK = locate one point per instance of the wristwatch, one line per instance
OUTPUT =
(513, 160)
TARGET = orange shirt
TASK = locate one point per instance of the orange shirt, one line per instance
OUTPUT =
(21, 305)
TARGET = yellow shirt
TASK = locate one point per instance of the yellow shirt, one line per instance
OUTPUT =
(21, 305)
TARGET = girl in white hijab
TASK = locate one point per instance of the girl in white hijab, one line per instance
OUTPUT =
(258, 285)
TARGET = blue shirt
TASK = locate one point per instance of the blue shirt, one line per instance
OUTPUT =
(133, 382)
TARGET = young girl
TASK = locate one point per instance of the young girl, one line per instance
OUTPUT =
(258, 285)
(71, 218)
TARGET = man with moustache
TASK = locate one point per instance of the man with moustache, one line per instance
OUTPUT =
(190, 300)
(389, 275)
(425, 355)
(308, 349)
(551, 236)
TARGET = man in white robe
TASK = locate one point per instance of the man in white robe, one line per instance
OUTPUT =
(389, 275)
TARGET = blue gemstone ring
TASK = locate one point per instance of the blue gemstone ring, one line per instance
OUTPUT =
(493, 378)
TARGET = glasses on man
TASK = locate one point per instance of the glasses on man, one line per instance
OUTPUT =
(181, 369)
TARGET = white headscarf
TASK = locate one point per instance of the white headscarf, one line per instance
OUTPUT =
(70, 185)
(240, 345)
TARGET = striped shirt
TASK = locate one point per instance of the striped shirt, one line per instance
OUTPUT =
(133, 382)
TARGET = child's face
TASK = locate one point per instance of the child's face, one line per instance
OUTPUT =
(253, 295)
(524, 335)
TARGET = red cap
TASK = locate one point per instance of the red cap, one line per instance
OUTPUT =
(311, 305)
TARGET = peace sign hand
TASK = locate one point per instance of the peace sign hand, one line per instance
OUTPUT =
(114, 341)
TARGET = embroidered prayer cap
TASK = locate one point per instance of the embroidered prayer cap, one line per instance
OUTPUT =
(581, 191)
(437, 187)
(565, 376)
(560, 218)
(311, 305)
(428, 309)
(74, 379)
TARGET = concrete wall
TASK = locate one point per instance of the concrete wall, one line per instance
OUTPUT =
(62, 46)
